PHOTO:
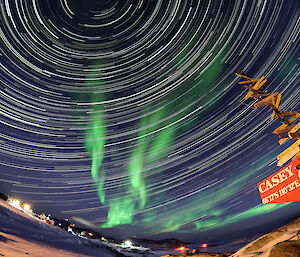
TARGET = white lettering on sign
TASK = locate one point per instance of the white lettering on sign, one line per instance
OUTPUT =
(289, 188)
(276, 179)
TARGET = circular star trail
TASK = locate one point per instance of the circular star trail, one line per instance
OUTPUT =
(127, 115)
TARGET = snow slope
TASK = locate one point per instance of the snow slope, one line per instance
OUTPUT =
(22, 235)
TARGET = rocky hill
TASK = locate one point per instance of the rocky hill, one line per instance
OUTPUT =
(282, 242)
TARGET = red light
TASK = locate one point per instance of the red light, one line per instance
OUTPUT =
(204, 245)
(181, 248)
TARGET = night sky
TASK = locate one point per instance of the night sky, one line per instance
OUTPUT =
(127, 115)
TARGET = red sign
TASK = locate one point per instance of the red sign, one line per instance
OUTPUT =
(283, 186)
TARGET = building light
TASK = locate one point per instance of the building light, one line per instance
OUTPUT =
(26, 207)
(127, 243)
(16, 203)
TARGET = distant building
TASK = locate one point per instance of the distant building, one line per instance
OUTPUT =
(88, 233)
(61, 223)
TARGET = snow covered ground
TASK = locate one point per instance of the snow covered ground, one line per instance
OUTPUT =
(22, 235)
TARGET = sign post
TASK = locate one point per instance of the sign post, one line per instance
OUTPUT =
(283, 186)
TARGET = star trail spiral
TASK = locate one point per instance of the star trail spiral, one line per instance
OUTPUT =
(127, 115)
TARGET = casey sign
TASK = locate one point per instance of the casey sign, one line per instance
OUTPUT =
(283, 186)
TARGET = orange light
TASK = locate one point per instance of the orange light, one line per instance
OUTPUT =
(204, 245)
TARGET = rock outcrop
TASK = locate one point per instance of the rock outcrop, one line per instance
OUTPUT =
(282, 242)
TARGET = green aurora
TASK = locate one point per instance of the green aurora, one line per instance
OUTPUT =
(157, 132)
